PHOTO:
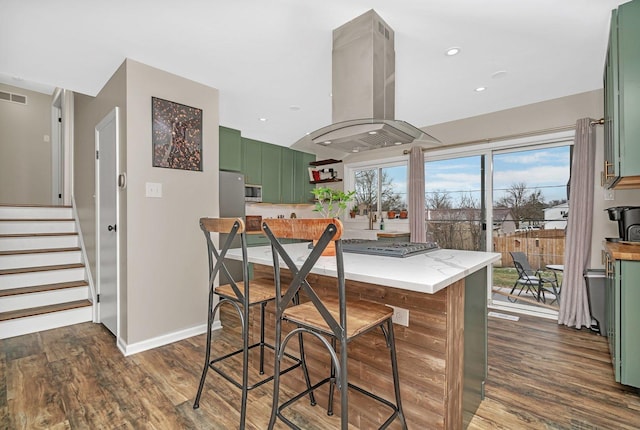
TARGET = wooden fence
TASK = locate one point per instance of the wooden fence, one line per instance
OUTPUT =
(542, 247)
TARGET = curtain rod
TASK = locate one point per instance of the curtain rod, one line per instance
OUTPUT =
(513, 136)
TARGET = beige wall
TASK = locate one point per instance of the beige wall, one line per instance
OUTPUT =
(25, 157)
(538, 116)
(167, 263)
(164, 275)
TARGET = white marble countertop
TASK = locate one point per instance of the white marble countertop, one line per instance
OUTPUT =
(426, 273)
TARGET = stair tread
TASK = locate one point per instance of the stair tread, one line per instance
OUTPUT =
(38, 251)
(36, 219)
(29, 205)
(41, 310)
(39, 234)
(40, 268)
(42, 288)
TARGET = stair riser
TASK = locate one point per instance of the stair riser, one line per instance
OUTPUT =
(39, 259)
(40, 278)
(32, 300)
(37, 242)
(27, 227)
(21, 326)
(34, 212)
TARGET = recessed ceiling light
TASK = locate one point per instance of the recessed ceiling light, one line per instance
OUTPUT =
(263, 119)
(327, 142)
(294, 107)
(355, 150)
(499, 74)
(452, 51)
(398, 143)
(480, 89)
(373, 132)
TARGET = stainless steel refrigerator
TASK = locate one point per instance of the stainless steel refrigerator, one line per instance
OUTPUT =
(231, 201)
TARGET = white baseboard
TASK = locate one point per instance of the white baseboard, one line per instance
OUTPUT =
(165, 339)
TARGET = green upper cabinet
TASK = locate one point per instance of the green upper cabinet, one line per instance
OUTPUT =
(622, 99)
(302, 187)
(230, 149)
(252, 161)
(271, 173)
(287, 179)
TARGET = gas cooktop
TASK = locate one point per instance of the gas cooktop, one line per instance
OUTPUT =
(387, 249)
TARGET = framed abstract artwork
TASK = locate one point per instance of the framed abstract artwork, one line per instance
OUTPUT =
(176, 135)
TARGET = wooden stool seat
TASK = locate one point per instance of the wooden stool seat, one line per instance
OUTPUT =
(362, 315)
(262, 290)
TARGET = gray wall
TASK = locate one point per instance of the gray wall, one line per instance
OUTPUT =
(164, 271)
(25, 157)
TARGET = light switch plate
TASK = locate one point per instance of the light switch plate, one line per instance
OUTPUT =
(154, 189)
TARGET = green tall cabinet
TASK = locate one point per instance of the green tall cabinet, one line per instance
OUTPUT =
(252, 161)
(622, 99)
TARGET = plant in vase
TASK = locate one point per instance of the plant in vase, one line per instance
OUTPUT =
(353, 212)
(330, 203)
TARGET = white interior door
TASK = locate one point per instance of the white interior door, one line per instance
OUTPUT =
(107, 219)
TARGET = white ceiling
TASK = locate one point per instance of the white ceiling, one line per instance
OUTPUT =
(267, 56)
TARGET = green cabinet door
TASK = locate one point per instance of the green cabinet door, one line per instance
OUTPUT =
(302, 187)
(271, 166)
(629, 87)
(629, 323)
(230, 149)
(287, 170)
(611, 168)
(252, 161)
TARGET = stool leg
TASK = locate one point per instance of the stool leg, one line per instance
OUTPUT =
(276, 371)
(394, 369)
(262, 307)
(332, 381)
(245, 364)
(207, 354)
(344, 385)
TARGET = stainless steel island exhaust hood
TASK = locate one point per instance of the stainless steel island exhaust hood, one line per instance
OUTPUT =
(363, 91)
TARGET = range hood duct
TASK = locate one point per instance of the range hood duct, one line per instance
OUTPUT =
(363, 91)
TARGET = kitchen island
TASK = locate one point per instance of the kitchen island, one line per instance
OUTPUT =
(442, 353)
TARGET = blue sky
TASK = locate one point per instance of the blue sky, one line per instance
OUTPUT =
(543, 169)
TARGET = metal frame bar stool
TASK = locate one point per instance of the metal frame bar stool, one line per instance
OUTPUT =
(331, 320)
(241, 295)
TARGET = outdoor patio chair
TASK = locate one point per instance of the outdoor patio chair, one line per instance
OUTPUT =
(533, 280)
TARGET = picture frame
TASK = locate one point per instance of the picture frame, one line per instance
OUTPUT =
(176, 132)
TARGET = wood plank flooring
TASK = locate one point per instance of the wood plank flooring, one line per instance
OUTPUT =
(541, 376)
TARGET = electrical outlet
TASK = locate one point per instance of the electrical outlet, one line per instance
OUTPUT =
(400, 316)
(609, 194)
(153, 189)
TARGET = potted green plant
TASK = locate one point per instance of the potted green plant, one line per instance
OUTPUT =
(330, 202)
(353, 212)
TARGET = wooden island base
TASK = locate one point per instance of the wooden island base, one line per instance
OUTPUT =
(434, 373)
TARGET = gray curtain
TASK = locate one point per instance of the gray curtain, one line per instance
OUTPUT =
(574, 304)
(416, 195)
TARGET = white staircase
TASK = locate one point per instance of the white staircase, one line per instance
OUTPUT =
(42, 276)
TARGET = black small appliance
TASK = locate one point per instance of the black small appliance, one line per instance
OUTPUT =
(628, 218)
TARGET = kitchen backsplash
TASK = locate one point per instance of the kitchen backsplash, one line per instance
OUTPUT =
(267, 210)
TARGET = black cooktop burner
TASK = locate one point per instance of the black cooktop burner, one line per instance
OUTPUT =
(388, 249)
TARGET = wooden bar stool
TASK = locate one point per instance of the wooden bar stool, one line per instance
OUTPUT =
(332, 320)
(241, 295)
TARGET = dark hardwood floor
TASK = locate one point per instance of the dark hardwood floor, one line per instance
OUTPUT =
(541, 376)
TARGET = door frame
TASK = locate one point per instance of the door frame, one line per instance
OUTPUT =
(113, 115)
(57, 150)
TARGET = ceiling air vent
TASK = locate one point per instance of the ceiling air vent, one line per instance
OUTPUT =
(14, 98)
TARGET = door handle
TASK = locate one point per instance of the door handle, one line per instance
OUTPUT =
(111, 228)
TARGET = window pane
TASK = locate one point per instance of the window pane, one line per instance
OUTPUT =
(453, 199)
(367, 187)
(394, 188)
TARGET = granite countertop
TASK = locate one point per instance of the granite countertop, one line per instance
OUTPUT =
(425, 273)
(624, 251)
